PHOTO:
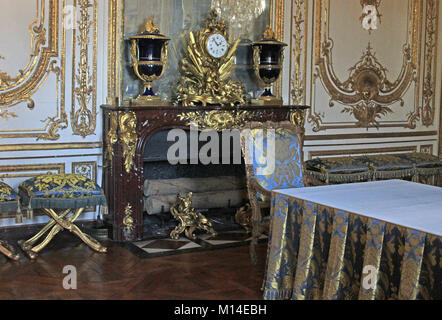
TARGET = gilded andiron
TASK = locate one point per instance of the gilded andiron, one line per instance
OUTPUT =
(243, 217)
(268, 57)
(189, 219)
(149, 51)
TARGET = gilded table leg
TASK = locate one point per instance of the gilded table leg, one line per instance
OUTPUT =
(8, 250)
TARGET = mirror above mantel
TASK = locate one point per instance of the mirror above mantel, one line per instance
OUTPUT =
(246, 20)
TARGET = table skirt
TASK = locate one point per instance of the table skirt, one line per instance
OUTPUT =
(318, 252)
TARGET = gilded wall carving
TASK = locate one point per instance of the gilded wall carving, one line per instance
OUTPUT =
(367, 94)
(84, 92)
(87, 169)
(45, 59)
(48, 52)
(430, 63)
(299, 53)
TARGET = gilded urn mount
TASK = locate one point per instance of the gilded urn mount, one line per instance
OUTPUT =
(268, 57)
(149, 51)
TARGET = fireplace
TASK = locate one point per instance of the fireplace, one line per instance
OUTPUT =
(134, 150)
(219, 190)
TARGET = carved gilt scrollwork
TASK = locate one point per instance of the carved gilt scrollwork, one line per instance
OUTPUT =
(217, 120)
(128, 220)
(111, 137)
(84, 81)
(428, 104)
(367, 94)
(298, 90)
(43, 61)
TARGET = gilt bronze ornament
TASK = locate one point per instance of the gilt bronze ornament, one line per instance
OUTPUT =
(189, 219)
(268, 56)
(149, 51)
(207, 66)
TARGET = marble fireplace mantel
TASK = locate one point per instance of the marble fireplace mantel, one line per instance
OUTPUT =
(126, 130)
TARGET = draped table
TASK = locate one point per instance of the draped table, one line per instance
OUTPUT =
(370, 240)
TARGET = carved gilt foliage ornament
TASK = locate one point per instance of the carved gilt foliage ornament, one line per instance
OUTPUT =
(298, 84)
(367, 94)
(128, 220)
(128, 138)
(428, 104)
(216, 120)
(84, 79)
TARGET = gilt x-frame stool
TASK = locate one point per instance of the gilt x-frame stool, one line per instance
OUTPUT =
(65, 193)
(9, 203)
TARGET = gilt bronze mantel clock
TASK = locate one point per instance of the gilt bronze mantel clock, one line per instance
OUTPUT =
(207, 66)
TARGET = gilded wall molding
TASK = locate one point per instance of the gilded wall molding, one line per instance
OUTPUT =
(24, 171)
(115, 36)
(44, 60)
(428, 109)
(382, 135)
(328, 153)
(277, 20)
(299, 52)
(84, 75)
(367, 94)
(50, 146)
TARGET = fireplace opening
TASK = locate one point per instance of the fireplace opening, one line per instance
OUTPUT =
(219, 190)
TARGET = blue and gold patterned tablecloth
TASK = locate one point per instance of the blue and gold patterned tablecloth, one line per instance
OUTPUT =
(371, 240)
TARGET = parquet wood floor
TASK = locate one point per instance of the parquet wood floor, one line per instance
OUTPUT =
(119, 274)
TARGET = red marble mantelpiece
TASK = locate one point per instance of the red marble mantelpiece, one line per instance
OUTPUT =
(129, 128)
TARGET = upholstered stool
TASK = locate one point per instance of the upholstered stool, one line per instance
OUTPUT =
(419, 167)
(9, 203)
(65, 193)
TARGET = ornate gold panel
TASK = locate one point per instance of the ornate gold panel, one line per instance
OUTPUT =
(216, 120)
(84, 79)
(23, 171)
(299, 51)
(328, 153)
(367, 94)
(430, 63)
(44, 60)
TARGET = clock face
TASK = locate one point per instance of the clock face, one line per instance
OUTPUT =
(217, 45)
